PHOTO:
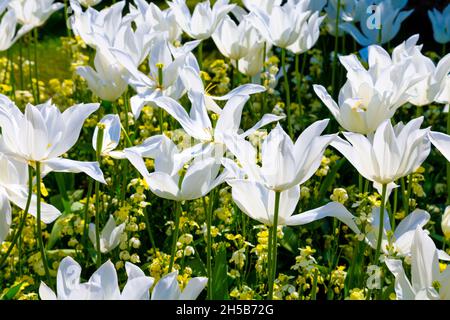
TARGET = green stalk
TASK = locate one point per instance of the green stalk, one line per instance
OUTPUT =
(97, 196)
(380, 227)
(161, 86)
(23, 219)
(86, 215)
(175, 235)
(149, 229)
(30, 72)
(36, 72)
(66, 17)
(408, 192)
(22, 80)
(274, 240)
(336, 46)
(209, 214)
(299, 80)
(287, 91)
(38, 222)
(200, 55)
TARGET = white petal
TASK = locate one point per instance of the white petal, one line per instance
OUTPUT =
(92, 169)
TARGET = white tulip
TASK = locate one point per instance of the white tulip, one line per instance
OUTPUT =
(111, 137)
(204, 20)
(34, 13)
(427, 282)
(107, 80)
(90, 25)
(165, 65)
(308, 34)
(201, 176)
(14, 188)
(258, 202)
(371, 96)
(8, 25)
(284, 164)
(109, 236)
(441, 24)
(167, 288)
(197, 123)
(264, 5)
(235, 41)
(433, 77)
(389, 154)
(281, 27)
(102, 285)
(159, 21)
(43, 134)
(192, 81)
(399, 241)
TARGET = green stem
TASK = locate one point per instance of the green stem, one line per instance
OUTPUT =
(21, 76)
(209, 245)
(274, 240)
(18, 232)
(86, 215)
(298, 75)
(200, 55)
(38, 222)
(380, 227)
(66, 17)
(287, 92)
(97, 198)
(149, 230)
(30, 71)
(408, 192)
(175, 235)
(36, 72)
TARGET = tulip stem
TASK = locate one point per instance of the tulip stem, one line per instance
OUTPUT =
(23, 219)
(175, 235)
(380, 227)
(86, 215)
(287, 92)
(36, 71)
(336, 46)
(200, 55)
(408, 193)
(21, 76)
(38, 220)
(298, 75)
(97, 197)
(273, 241)
(209, 212)
(66, 17)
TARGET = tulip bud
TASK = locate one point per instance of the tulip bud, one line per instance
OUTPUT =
(445, 223)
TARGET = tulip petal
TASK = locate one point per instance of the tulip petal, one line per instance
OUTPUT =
(194, 288)
(92, 169)
(332, 209)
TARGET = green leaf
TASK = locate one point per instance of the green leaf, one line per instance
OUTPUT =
(220, 275)
(290, 240)
(55, 235)
(8, 295)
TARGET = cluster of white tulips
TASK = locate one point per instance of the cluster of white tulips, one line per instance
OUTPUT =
(155, 57)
